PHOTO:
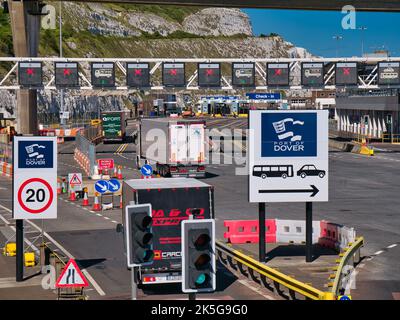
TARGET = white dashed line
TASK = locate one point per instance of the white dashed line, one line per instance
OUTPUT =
(113, 221)
(392, 246)
(98, 214)
(378, 252)
(107, 218)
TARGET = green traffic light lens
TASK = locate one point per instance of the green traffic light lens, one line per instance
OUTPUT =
(148, 255)
(201, 279)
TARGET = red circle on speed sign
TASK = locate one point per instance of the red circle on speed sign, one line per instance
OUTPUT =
(47, 204)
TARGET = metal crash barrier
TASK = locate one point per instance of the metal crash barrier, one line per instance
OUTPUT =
(229, 257)
(349, 256)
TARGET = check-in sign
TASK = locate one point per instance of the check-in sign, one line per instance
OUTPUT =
(35, 178)
(288, 156)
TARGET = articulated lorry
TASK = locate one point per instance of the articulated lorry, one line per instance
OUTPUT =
(175, 146)
(113, 126)
(172, 201)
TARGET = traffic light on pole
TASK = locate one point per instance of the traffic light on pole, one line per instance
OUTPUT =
(138, 234)
(198, 256)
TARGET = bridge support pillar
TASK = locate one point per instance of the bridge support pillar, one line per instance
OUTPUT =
(25, 28)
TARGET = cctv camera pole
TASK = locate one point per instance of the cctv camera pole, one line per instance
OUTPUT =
(261, 230)
(309, 231)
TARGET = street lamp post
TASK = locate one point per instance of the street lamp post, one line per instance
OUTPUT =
(337, 38)
(362, 28)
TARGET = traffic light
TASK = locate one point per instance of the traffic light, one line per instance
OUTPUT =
(198, 256)
(138, 234)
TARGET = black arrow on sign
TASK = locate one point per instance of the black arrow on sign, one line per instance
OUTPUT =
(313, 189)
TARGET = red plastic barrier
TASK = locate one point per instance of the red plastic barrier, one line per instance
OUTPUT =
(246, 231)
(329, 234)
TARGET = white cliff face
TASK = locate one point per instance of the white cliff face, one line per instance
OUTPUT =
(152, 23)
(98, 19)
(218, 22)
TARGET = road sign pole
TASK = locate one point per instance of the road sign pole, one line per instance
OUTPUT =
(261, 223)
(19, 225)
(309, 244)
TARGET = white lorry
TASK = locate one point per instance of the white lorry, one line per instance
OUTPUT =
(176, 147)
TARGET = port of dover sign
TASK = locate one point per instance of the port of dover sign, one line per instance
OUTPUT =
(35, 178)
(288, 155)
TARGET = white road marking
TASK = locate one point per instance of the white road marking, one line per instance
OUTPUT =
(378, 252)
(69, 255)
(98, 214)
(107, 218)
(258, 290)
(392, 246)
(113, 221)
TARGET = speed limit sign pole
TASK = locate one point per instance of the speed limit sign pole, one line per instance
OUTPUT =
(34, 186)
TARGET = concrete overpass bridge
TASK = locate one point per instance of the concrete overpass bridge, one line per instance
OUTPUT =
(25, 23)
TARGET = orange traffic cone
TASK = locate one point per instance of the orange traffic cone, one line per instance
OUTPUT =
(115, 172)
(120, 201)
(72, 196)
(119, 175)
(96, 205)
(58, 187)
(85, 201)
(106, 172)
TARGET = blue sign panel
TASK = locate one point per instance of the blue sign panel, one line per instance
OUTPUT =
(146, 170)
(35, 154)
(101, 186)
(113, 185)
(263, 96)
(287, 134)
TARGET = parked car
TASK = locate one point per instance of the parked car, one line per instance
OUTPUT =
(310, 170)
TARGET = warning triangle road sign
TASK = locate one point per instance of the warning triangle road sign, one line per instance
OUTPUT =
(71, 276)
(75, 180)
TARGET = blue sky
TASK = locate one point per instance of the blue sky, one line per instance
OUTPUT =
(314, 30)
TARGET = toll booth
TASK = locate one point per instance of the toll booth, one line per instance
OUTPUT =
(222, 105)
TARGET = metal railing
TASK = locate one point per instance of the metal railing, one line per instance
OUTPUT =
(391, 138)
(278, 278)
(348, 258)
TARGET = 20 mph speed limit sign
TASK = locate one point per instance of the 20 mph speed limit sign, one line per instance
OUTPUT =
(35, 178)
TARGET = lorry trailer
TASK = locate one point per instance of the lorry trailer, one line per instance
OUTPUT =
(176, 147)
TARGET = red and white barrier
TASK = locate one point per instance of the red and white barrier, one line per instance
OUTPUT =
(327, 234)
(294, 231)
(246, 231)
(82, 160)
(6, 169)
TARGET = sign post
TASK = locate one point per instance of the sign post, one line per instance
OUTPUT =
(261, 230)
(288, 162)
(34, 186)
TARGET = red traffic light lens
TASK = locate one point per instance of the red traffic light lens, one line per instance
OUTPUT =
(202, 240)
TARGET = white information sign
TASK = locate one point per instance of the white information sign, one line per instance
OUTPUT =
(288, 155)
(35, 178)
